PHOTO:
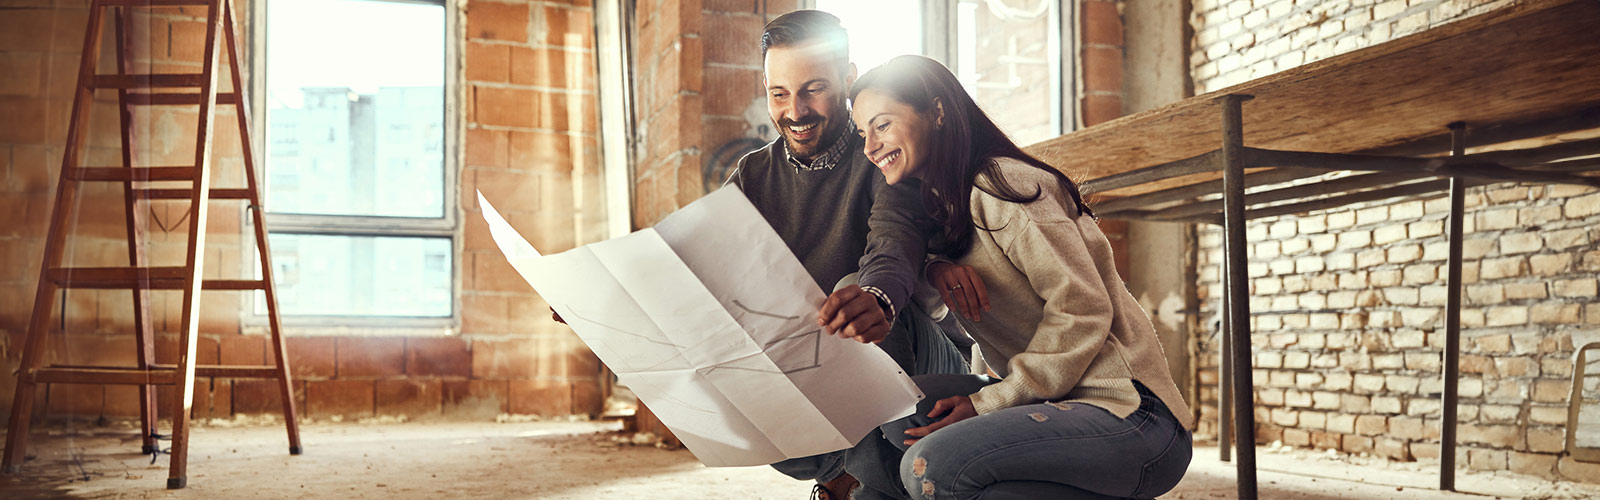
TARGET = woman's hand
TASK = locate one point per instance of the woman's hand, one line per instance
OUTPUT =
(961, 288)
(854, 314)
(954, 408)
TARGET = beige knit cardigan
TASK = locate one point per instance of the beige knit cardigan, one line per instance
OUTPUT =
(1063, 326)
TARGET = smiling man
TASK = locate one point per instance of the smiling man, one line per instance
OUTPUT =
(855, 234)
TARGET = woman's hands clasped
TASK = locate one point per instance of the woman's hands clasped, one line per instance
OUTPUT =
(962, 289)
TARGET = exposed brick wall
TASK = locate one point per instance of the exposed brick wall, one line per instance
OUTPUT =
(1239, 40)
(530, 143)
(1348, 304)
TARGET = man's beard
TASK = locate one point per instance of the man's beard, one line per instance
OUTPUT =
(828, 131)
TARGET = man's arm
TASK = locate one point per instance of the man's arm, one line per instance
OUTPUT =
(897, 242)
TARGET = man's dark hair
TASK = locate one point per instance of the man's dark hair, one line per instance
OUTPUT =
(807, 26)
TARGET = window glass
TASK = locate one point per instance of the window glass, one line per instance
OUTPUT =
(355, 108)
(355, 129)
(339, 275)
(1007, 56)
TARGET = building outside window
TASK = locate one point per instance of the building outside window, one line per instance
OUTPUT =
(359, 187)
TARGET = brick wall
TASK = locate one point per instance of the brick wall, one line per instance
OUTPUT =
(698, 101)
(532, 140)
(530, 143)
(1348, 304)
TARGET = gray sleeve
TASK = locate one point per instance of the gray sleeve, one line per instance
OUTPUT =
(897, 242)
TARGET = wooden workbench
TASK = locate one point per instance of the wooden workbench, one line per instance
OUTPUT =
(1519, 85)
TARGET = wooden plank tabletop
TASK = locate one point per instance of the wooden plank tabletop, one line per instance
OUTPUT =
(1526, 61)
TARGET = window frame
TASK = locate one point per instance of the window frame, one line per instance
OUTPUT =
(448, 225)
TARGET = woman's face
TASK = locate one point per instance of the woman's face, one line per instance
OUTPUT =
(898, 139)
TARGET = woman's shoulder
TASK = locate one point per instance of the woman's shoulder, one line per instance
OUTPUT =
(1026, 180)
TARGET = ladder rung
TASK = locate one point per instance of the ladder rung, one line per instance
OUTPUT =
(232, 285)
(151, 3)
(229, 371)
(105, 375)
(176, 99)
(147, 81)
(183, 194)
(147, 278)
(135, 174)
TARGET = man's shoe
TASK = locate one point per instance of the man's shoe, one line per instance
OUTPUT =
(837, 489)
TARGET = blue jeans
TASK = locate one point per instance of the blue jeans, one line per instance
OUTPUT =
(919, 346)
(1044, 450)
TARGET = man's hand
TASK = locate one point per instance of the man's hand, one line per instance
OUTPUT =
(961, 288)
(955, 409)
(854, 314)
(556, 316)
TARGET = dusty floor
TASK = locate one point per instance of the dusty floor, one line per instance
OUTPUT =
(581, 460)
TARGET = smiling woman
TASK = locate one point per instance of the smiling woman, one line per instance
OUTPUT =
(1086, 408)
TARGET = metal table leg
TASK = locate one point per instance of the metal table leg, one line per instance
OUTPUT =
(1238, 292)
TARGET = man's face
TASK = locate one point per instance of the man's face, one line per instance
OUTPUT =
(806, 91)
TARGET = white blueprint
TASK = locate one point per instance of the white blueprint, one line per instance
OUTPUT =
(711, 321)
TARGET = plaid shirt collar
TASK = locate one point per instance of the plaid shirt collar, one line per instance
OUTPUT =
(834, 155)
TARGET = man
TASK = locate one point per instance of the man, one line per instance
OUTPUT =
(834, 210)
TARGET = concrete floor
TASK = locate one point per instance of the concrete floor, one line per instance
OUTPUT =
(584, 460)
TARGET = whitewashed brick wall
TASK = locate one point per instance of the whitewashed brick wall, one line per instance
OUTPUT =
(1239, 40)
(1348, 304)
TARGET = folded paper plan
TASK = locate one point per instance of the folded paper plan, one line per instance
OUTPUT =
(712, 322)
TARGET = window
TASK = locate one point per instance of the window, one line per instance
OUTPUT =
(358, 182)
(1007, 53)
(872, 41)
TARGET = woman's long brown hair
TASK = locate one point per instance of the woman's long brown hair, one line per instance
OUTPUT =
(962, 149)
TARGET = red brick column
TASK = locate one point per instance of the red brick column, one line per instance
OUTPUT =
(1100, 67)
(1100, 61)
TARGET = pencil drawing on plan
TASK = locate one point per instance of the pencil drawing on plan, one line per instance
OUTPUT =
(763, 313)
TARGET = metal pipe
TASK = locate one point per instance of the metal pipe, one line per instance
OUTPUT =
(1452, 328)
(1238, 292)
(1225, 373)
(1198, 164)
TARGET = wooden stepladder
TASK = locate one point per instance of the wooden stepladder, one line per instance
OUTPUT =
(136, 90)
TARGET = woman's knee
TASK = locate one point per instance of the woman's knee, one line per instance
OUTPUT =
(934, 464)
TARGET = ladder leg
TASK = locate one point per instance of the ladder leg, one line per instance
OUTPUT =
(200, 198)
(44, 300)
(280, 356)
(144, 332)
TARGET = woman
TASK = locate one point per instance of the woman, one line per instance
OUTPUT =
(1086, 407)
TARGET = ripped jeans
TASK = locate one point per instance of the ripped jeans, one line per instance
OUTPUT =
(1045, 450)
